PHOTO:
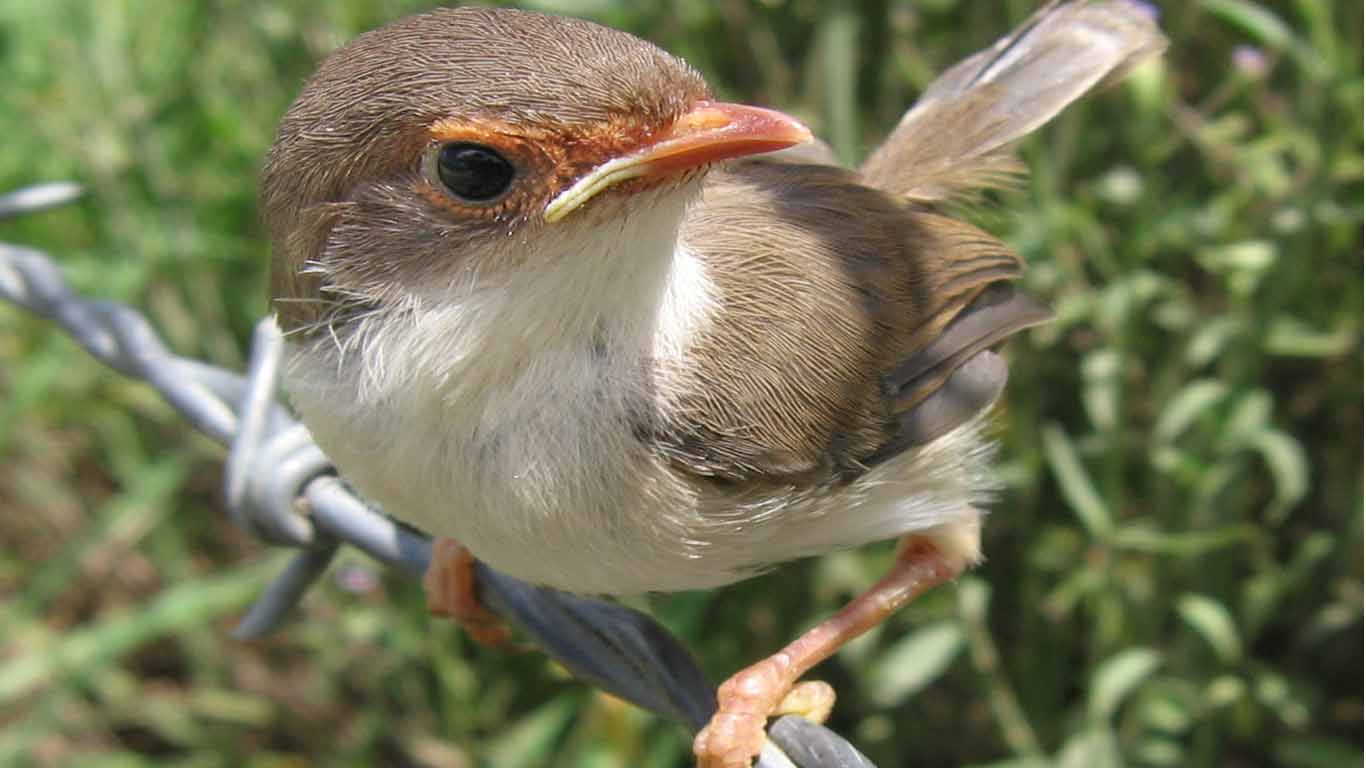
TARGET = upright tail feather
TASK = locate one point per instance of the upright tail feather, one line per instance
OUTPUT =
(957, 135)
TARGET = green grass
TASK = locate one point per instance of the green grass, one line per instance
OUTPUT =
(1174, 571)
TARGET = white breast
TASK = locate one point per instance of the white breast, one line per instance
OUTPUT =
(501, 415)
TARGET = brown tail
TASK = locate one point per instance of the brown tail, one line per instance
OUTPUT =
(956, 137)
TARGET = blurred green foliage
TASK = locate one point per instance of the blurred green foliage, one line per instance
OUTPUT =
(1174, 570)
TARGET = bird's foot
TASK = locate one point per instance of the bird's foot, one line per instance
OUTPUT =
(451, 592)
(746, 701)
(735, 733)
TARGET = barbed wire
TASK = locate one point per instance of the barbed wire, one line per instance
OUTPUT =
(280, 487)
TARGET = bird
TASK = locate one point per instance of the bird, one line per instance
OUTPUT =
(548, 299)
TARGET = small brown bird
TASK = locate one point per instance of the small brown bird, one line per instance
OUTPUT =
(530, 308)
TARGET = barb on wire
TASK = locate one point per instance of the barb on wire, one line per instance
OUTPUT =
(280, 487)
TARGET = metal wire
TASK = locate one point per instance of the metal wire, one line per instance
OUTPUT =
(279, 486)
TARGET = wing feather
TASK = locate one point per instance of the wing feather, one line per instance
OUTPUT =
(956, 137)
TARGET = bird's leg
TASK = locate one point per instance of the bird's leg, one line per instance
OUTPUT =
(451, 592)
(746, 701)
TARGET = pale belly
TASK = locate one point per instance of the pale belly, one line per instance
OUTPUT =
(545, 478)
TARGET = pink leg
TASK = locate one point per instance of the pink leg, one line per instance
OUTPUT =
(736, 732)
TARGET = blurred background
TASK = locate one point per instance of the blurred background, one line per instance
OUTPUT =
(1174, 571)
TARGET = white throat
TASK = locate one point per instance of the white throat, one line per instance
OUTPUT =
(502, 415)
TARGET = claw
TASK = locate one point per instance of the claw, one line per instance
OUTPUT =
(452, 592)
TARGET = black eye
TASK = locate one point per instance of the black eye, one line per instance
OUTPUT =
(473, 172)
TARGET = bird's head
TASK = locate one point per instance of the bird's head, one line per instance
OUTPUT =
(461, 145)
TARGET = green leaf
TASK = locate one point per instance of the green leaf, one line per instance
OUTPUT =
(1101, 372)
(1187, 405)
(1250, 256)
(1095, 747)
(1312, 550)
(1211, 339)
(1212, 621)
(1276, 692)
(914, 662)
(1224, 691)
(1289, 466)
(1076, 485)
(1251, 414)
(1143, 537)
(1170, 709)
(1117, 678)
(1292, 337)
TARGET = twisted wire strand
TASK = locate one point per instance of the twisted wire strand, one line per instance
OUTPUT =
(280, 487)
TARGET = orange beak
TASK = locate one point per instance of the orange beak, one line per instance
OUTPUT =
(707, 133)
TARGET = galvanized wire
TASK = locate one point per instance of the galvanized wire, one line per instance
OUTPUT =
(279, 486)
